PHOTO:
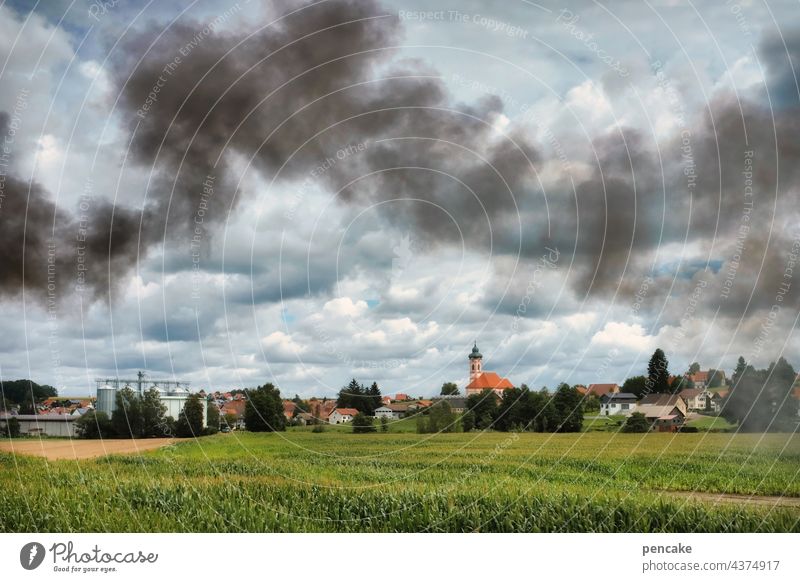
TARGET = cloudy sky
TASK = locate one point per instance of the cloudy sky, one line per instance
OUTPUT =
(240, 192)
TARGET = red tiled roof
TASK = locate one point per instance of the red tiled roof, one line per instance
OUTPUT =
(489, 381)
(601, 389)
(401, 396)
(347, 411)
(699, 377)
(233, 407)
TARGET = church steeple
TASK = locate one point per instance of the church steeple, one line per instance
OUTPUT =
(475, 362)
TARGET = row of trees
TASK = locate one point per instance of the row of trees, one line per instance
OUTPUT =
(146, 416)
(524, 409)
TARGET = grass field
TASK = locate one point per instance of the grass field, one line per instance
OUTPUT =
(336, 481)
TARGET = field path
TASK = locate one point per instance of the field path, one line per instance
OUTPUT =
(58, 449)
(767, 500)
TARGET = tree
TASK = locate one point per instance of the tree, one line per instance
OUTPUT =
(422, 424)
(715, 378)
(94, 425)
(212, 417)
(373, 399)
(19, 391)
(483, 406)
(741, 368)
(384, 424)
(154, 415)
(363, 424)
(513, 411)
(680, 383)
(263, 411)
(441, 418)
(636, 422)
(190, 420)
(658, 373)
(567, 402)
(127, 420)
(694, 368)
(449, 389)
(635, 385)
(467, 421)
(11, 428)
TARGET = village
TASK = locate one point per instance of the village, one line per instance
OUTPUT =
(683, 403)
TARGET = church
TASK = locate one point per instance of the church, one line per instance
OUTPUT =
(480, 380)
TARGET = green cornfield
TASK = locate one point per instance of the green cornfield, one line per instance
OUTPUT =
(299, 481)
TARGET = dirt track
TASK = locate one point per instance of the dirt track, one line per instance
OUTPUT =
(765, 500)
(80, 449)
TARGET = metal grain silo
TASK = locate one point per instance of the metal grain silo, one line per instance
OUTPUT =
(106, 399)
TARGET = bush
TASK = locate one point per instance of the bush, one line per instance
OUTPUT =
(94, 425)
(467, 421)
(688, 429)
(11, 428)
(384, 424)
(636, 422)
(363, 424)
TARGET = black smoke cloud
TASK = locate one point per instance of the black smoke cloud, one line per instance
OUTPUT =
(323, 78)
(290, 96)
(40, 243)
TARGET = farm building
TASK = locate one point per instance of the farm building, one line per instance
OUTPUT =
(384, 412)
(172, 393)
(665, 412)
(54, 425)
(617, 403)
(458, 404)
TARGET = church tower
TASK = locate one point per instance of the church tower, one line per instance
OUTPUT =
(475, 363)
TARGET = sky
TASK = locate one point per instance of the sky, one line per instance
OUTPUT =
(235, 193)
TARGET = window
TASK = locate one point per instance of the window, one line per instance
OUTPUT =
(626, 406)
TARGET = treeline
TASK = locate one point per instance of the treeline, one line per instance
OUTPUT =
(146, 416)
(519, 409)
(355, 395)
(25, 394)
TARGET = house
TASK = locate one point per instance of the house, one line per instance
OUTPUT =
(288, 409)
(384, 412)
(235, 410)
(617, 403)
(386, 400)
(699, 379)
(601, 389)
(480, 380)
(700, 399)
(458, 404)
(304, 418)
(342, 415)
(401, 397)
(665, 412)
(692, 398)
(322, 408)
